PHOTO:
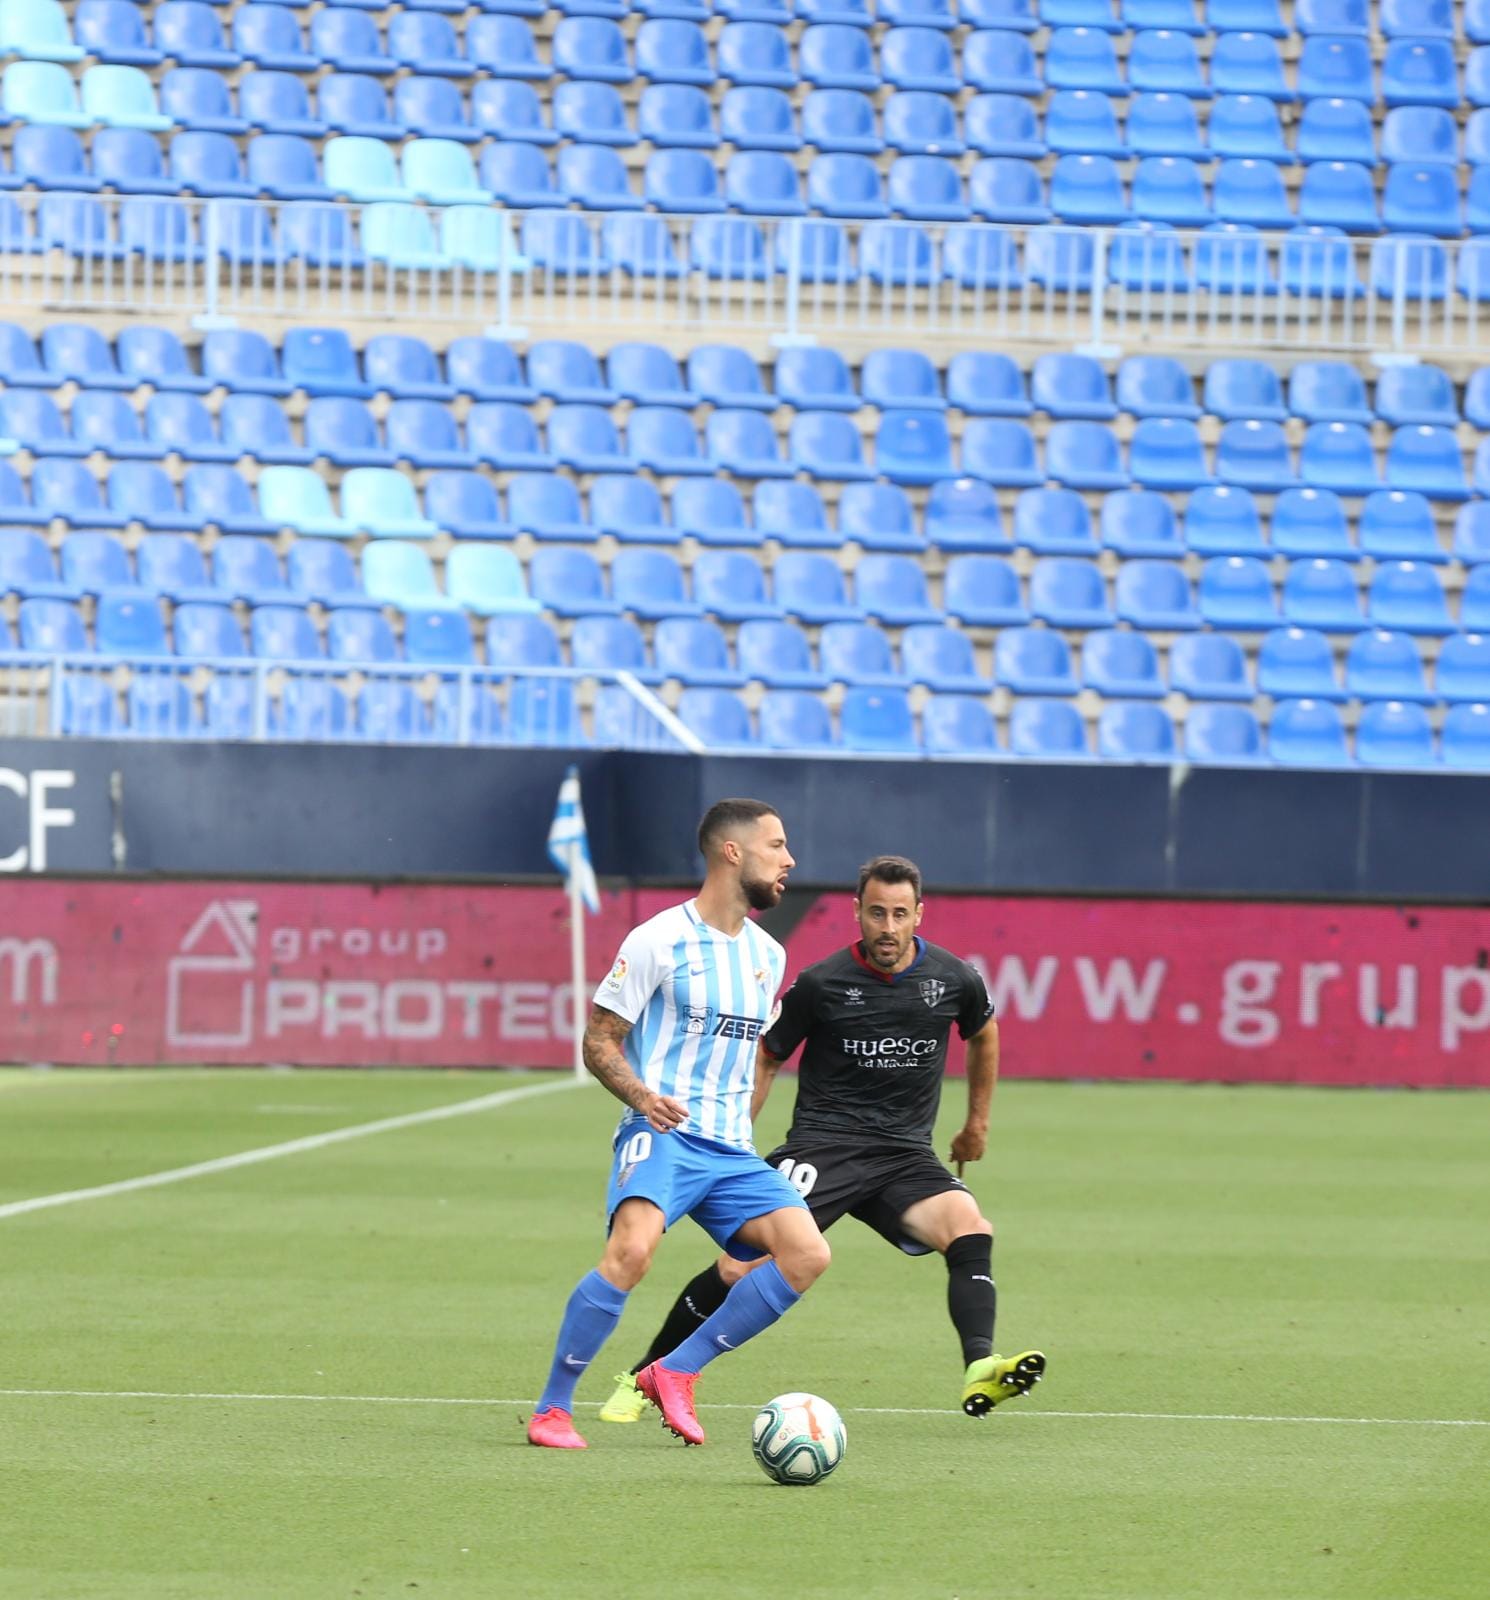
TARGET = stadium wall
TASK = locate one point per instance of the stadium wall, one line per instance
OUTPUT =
(125, 972)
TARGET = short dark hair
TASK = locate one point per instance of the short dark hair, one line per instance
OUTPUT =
(725, 815)
(890, 869)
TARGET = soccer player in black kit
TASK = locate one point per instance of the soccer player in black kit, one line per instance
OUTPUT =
(876, 1018)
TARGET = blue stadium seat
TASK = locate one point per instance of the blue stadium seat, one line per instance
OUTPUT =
(158, 230)
(1339, 456)
(1472, 533)
(744, 443)
(51, 627)
(837, 56)
(1317, 261)
(1170, 190)
(1155, 594)
(1047, 730)
(50, 158)
(197, 97)
(1409, 265)
(1001, 451)
(595, 178)
(284, 633)
(221, 497)
(1236, 592)
(877, 720)
(107, 422)
(927, 188)
(391, 713)
(509, 108)
(1135, 732)
(466, 504)
(1328, 391)
(987, 383)
(840, 120)
(433, 108)
(859, 653)
(1336, 129)
(1165, 125)
(284, 166)
(650, 583)
(252, 425)
(141, 491)
(893, 589)
(791, 719)
(1398, 525)
(189, 33)
(1006, 189)
(754, 53)
(1252, 191)
(1165, 61)
(1320, 592)
(505, 436)
(519, 175)
(1080, 122)
(1068, 592)
(1140, 522)
(1333, 67)
(793, 514)
(665, 440)
(919, 58)
(999, 62)
(878, 516)
(818, 252)
(1054, 522)
(486, 579)
(778, 654)
(321, 361)
(942, 658)
(547, 506)
(898, 253)
(1394, 734)
(693, 650)
(1465, 738)
(1250, 63)
(1085, 455)
(1344, 18)
(161, 706)
(730, 584)
(344, 432)
(27, 569)
(1167, 453)
(1118, 662)
(357, 106)
(983, 591)
(844, 185)
(630, 509)
(503, 46)
(1080, 14)
(1382, 665)
(1082, 58)
(585, 438)
(1418, 134)
(1242, 388)
(668, 50)
(1071, 386)
(1085, 189)
(717, 717)
(1307, 733)
(427, 45)
(113, 30)
(1427, 459)
(611, 644)
(810, 586)
(66, 489)
(1420, 72)
(1407, 595)
(1297, 661)
(129, 624)
(1018, 16)
(683, 180)
(1474, 601)
(643, 246)
(982, 259)
(270, 37)
(1423, 199)
(751, 117)
(33, 420)
(763, 182)
(76, 224)
(570, 584)
(1247, 126)
(1416, 394)
(206, 631)
(1254, 455)
(963, 514)
(181, 423)
(1209, 666)
(918, 122)
(911, 446)
(311, 708)
(1223, 735)
(1311, 522)
(80, 352)
(1433, 19)
(1463, 670)
(325, 573)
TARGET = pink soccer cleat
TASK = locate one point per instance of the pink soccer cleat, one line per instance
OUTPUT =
(554, 1429)
(672, 1394)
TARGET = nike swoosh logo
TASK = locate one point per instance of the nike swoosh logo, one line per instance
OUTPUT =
(722, 1342)
(696, 972)
(575, 1361)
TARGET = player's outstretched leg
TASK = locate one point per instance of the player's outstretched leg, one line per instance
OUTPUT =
(800, 1255)
(592, 1312)
(994, 1379)
(696, 1304)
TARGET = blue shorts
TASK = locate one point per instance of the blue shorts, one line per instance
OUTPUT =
(719, 1187)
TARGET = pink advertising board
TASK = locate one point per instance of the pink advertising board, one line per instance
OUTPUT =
(435, 975)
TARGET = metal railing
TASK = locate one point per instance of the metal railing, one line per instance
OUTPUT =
(792, 279)
(94, 696)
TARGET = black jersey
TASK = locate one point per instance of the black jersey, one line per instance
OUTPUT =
(876, 1042)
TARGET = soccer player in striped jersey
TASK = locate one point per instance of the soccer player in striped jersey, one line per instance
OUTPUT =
(673, 1036)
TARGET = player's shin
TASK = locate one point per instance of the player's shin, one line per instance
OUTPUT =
(590, 1318)
(755, 1302)
(972, 1299)
(697, 1303)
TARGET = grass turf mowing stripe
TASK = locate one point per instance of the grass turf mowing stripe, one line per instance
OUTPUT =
(868, 1411)
(291, 1147)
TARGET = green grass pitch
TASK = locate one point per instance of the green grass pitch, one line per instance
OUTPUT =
(244, 1367)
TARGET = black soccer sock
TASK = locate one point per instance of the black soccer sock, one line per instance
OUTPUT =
(697, 1303)
(972, 1299)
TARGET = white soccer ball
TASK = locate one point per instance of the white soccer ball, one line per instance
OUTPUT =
(798, 1438)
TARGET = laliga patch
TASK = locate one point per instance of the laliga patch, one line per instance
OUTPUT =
(617, 974)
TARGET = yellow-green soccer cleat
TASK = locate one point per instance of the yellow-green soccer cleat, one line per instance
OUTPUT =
(988, 1382)
(627, 1403)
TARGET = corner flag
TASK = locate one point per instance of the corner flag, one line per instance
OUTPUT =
(569, 845)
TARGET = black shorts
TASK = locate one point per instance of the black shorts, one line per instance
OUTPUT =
(876, 1183)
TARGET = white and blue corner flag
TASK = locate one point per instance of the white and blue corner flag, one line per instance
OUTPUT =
(569, 844)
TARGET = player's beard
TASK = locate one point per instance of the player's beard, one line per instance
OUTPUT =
(883, 956)
(761, 894)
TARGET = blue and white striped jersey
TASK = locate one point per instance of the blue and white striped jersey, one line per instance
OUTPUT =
(697, 1000)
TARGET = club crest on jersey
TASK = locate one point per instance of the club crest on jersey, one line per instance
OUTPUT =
(696, 1019)
(763, 978)
(853, 997)
(932, 991)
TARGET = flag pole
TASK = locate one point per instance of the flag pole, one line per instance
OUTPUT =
(577, 971)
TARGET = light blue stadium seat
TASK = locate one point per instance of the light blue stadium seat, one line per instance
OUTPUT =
(37, 30)
(295, 497)
(1236, 592)
(1068, 592)
(1083, 58)
(1336, 129)
(1054, 522)
(1382, 665)
(1155, 594)
(1209, 666)
(1394, 734)
(1333, 67)
(1001, 62)
(1047, 730)
(963, 514)
(1307, 733)
(441, 171)
(1250, 63)
(744, 443)
(877, 720)
(665, 440)
(777, 654)
(401, 575)
(1007, 189)
(385, 503)
(1297, 661)
(650, 583)
(112, 30)
(42, 92)
(1001, 451)
(794, 514)
(668, 50)
(570, 584)
(486, 579)
(1339, 456)
(1328, 391)
(1311, 522)
(1320, 592)
(912, 446)
(120, 97)
(1121, 663)
(1463, 670)
(987, 383)
(142, 491)
(1170, 189)
(1167, 453)
(859, 653)
(1085, 455)
(1420, 72)
(1465, 738)
(284, 633)
(401, 236)
(1085, 189)
(983, 591)
(730, 584)
(1407, 595)
(1140, 522)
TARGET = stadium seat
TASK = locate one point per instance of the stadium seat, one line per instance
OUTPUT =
(269, 36)
(962, 514)
(877, 720)
(1254, 455)
(1155, 594)
(129, 624)
(1167, 453)
(197, 98)
(1244, 388)
(1006, 189)
(986, 383)
(717, 717)
(810, 586)
(509, 109)
(1054, 522)
(1047, 730)
(1382, 665)
(106, 421)
(1298, 661)
(1328, 391)
(1463, 670)
(1083, 189)
(1465, 738)
(1420, 72)
(1427, 459)
(791, 719)
(221, 497)
(1339, 456)
(650, 583)
(1165, 125)
(284, 166)
(570, 584)
(730, 584)
(744, 443)
(585, 438)
(284, 633)
(1336, 129)
(892, 588)
(1394, 734)
(188, 32)
(777, 654)
(1474, 601)
(919, 58)
(141, 491)
(693, 650)
(1223, 735)
(1246, 126)
(1140, 522)
(1317, 261)
(119, 97)
(66, 489)
(859, 653)
(1002, 452)
(1236, 592)
(344, 432)
(840, 120)
(1071, 386)
(1209, 666)
(611, 644)
(663, 439)
(1311, 522)
(42, 92)
(911, 446)
(999, 62)
(547, 506)
(1084, 455)
(1068, 592)
(942, 658)
(1165, 61)
(1422, 198)
(1135, 732)
(1320, 592)
(1018, 16)
(252, 425)
(1120, 663)
(1344, 18)
(205, 631)
(1472, 533)
(751, 117)
(1407, 595)
(111, 30)
(27, 569)
(1334, 67)
(1078, 122)
(668, 50)
(983, 591)
(1398, 525)
(1307, 733)
(918, 122)
(1082, 58)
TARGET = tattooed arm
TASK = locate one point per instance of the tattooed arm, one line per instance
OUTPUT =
(605, 1059)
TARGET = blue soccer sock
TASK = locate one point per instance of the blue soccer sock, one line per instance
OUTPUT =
(590, 1318)
(755, 1302)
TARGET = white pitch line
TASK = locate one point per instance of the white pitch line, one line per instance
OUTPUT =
(292, 1147)
(866, 1411)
